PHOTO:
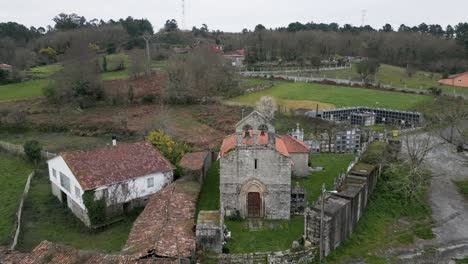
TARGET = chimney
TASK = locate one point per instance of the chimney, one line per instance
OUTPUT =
(114, 141)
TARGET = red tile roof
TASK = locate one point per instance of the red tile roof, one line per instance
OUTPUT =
(194, 161)
(165, 227)
(295, 145)
(5, 66)
(48, 252)
(230, 143)
(113, 164)
(235, 53)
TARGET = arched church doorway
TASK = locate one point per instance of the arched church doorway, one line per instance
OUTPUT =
(254, 204)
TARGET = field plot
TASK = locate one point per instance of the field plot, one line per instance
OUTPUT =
(45, 218)
(334, 95)
(14, 172)
(23, 90)
(56, 142)
(393, 75)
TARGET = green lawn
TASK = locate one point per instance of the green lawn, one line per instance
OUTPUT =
(115, 75)
(23, 90)
(336, 95)
(393, 75)
(334, 164)
(463, 187)
(14, 172)
(209, 195)
(274, 235)
(46, 70)
(45, 218)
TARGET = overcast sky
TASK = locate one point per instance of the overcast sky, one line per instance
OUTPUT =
(234, 15)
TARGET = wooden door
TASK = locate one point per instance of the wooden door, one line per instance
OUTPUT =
(254, 203)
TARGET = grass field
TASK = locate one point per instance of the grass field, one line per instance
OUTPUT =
(334, 95)
(45, 218)
(46, 70)
(333, 164)
(209, 195)
(23, 90)
(14, 172)
(394, 75)
(57, 141)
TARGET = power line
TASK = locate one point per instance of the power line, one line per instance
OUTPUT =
(363, 17)
(183, 14)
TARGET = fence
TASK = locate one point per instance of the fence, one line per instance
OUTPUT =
(20, 211)
(19, 150)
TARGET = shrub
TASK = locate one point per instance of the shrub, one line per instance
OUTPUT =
(96, 208)
(32, 149)
(149, 98)
(169, 149)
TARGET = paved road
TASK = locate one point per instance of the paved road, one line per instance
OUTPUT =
(449, 209)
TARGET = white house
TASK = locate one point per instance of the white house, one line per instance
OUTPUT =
(123, 175)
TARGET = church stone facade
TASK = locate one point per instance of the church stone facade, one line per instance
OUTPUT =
(255, 171)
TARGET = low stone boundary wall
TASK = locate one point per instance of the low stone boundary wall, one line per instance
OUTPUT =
(19, 150)
(20, 211)
(279, 257)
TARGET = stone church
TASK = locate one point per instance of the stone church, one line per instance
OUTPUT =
(256, 167)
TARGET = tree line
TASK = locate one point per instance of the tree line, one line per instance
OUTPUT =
(426, 47)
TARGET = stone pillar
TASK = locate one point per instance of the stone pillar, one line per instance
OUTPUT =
(254, 137)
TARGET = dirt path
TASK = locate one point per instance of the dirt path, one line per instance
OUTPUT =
(449, 210)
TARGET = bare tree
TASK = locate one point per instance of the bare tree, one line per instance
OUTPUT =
(137, 59)
(266, 106)
(411, 177)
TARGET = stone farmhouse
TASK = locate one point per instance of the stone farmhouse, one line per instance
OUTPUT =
(256, 167)
(123, 175)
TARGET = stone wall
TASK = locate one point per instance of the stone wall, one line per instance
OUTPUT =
(301, 164)
(280, 257)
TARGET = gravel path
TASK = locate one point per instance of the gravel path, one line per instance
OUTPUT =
(449, 210)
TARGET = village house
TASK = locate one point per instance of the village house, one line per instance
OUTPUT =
(460, 79)
(256, 167)
(122, 175)
(236, 57)
(6, 67)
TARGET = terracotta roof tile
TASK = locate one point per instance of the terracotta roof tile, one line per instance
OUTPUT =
(295, 145)
(230, 143)
(113, 164)
(165, 227)
(48, 252)
(194, 160)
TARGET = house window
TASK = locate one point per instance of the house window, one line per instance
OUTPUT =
(65, 182)
(150, 182)
(77, 192)
(54, 173)
(256, 163)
